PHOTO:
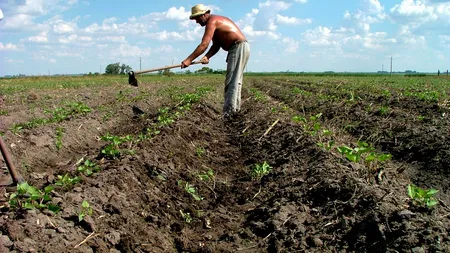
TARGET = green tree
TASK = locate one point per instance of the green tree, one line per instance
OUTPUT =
(117, 69)
(113, 69)
(124, 69)
(204, 70)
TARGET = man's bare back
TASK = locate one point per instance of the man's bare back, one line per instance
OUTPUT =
(225, 31)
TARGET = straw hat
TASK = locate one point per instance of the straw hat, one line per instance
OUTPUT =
(198, 10)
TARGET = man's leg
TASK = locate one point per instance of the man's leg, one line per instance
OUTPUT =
(237, 60)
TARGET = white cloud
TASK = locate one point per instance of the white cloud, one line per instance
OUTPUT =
(321, 36)
(125, 50)
(113, 39)
(9, 47)
(13, 61)
(291, 20)
(291, 45)
(40, 38)
(172, 14)
(61, 27)
(188, 35)
(73, 38)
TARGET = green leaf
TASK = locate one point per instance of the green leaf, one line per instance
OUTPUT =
(85, 204)
(28, 205)
(54, 208)
(49, 188)
(411, 191)
(431, 192)
(80, 216)
(431, 203)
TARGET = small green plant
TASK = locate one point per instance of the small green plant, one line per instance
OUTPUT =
(29, 197)
(164, 117)
(421, 118)
(66, 181)
(59, 135)
(112, 150)
(326, 145)
(88, 168)
(186, 216)
(354, 154)
(189, 188)
(311, 126)
(422, 197)
(199, 151)
(207, 175)
(258, 95)
(384, 110)
(86, 209)
(258, 171)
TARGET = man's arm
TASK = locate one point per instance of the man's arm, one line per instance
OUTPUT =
(213, 50)
(207, 37)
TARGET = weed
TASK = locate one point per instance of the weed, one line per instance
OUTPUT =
(207, 175)
(258, 171)
(189, 188)
(326, 145)
(66, 181)
(112, 150)
(258, 95)
(88, 168)
(59, 135)
(199, 151)
(86, 209)
(311, 126)
(186, 216)
(422, 197)
(29, 197)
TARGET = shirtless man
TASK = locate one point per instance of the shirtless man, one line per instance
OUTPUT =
(226, 35)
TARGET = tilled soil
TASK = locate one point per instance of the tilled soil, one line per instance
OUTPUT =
(313, 199)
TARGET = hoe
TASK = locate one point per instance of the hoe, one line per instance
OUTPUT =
(15, 176)
(132, 74)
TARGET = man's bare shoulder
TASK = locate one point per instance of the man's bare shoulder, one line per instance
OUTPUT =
(218, 18)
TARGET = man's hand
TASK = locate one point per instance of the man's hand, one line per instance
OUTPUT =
(186, 63)
(204, 60)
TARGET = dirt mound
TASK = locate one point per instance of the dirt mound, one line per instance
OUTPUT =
(180, 179)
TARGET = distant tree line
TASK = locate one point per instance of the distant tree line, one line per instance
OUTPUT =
(117, 69)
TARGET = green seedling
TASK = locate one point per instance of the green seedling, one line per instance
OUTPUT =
(422, 197)
(384, 110)
(112, 150)
(354, 154)
(258, 95)
(88, 168)
(189, 188)
(199, 151)
(421, 118)
(164, 117)
(326, 145)
(59, 135)
(311, 126)
(258, 171)
(207, 175)
(66, 181)
(186, 216)
(86, 209)
(29, 197)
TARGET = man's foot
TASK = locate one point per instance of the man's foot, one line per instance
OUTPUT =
(229, 117)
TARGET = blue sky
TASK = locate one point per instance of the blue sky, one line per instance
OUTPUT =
(38, 37)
